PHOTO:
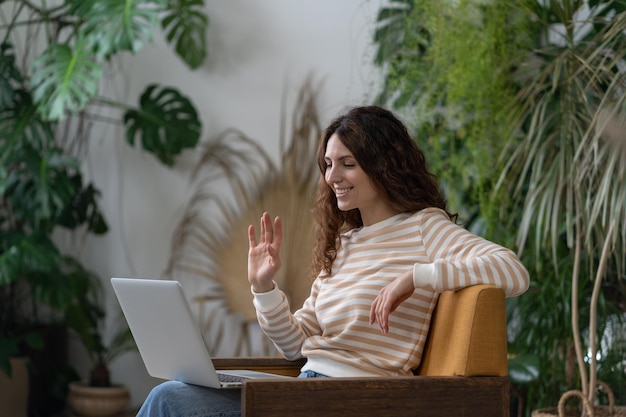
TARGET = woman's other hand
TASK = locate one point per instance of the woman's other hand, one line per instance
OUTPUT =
(389, 298)
(263, 256)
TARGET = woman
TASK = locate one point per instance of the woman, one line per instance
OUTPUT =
(386, 248)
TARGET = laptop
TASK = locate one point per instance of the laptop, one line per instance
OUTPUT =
(168, 337)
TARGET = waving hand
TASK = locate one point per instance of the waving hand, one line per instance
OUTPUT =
(263, 255)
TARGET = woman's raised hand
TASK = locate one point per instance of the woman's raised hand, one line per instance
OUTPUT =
(263, 256)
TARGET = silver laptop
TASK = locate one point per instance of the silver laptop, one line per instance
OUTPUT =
(168, 337)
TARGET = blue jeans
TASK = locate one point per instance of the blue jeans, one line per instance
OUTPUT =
(177, 399)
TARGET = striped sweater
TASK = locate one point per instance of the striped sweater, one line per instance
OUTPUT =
(332, 328)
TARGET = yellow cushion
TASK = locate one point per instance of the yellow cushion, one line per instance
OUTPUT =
(467, 336)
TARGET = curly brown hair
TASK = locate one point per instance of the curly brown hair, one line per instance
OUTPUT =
(397, 167)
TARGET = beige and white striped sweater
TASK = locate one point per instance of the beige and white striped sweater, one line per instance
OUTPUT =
(332, 328)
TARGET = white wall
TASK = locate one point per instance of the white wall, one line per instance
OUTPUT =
(256, 48)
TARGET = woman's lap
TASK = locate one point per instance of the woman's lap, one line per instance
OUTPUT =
(177, 399)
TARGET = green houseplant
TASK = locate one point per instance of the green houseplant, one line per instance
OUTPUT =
(568, 170)
(477, 78)
(53, 60)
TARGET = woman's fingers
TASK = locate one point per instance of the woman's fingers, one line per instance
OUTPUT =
(263, 227)
(379, 313)
(271, 234)
(277, 235)
(251, 237)
(269, 230)
(389, 298)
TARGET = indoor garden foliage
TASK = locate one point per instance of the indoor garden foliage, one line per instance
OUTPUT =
(520, 108)
(57, 60)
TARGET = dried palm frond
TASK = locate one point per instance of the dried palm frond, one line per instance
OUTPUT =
(210, 246)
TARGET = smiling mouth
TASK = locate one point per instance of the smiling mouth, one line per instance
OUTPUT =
(342, 191)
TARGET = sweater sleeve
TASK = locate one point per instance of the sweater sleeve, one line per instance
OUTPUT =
(286, 330)
(460, 258)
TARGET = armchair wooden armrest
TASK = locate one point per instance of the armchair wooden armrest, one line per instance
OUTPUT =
(366, 397)
(463, 372)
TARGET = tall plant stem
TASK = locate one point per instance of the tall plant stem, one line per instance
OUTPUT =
(575, 328)
(593, 317)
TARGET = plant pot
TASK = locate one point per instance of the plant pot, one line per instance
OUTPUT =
(97, 401)
(14, 390)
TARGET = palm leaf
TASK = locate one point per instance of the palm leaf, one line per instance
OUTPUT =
(214, 252)
(65, 80)
(186, 25)
(390, 33)
(561, 115)
(167, 123)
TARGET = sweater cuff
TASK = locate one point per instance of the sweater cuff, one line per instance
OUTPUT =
(424, 276)
(265, 301)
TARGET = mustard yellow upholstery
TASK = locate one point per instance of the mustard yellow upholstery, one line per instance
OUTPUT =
(467, 336)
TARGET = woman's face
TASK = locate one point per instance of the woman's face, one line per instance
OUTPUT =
(351, 185)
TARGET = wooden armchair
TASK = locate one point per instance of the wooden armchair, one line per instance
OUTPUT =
(463, 372)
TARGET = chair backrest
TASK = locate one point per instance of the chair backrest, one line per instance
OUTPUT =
(467, 335)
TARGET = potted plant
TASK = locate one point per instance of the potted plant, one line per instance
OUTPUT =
(98, 395)
(52, 60)
(37, 282)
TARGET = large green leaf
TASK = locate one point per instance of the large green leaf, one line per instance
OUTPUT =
(20, 124)
(118, 25)
(64, 79)
(9, 75)
(39, 186)
(61, 289)
(25, 255)
(523, 369)
(391, 30)
(83, 209)
(186, 25)
(166, 123)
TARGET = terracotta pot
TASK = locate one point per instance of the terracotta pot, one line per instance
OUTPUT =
(14, 390)
(97, 401)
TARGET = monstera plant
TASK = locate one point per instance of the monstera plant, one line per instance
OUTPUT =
(55, 61)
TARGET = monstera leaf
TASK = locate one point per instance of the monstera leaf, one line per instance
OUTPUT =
(167, 123)
(8, 74)
(19, 124)
(186, 25)
(65, 79)
(22, 255)
(83, 209)
(118, 25)
(39, 185)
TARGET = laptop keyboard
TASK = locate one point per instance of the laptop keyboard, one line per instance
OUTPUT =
(229, 378)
